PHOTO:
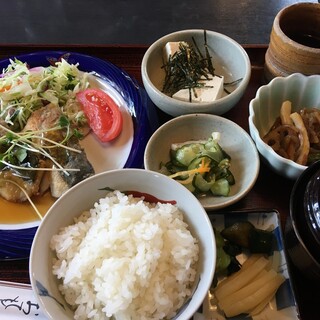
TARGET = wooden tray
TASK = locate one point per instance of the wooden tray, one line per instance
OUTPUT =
(270, 190)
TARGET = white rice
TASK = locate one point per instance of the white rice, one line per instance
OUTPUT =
(126, 258)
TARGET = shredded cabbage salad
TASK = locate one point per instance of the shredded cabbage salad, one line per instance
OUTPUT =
(24, 90)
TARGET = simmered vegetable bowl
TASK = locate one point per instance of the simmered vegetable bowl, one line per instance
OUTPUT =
(201, 166)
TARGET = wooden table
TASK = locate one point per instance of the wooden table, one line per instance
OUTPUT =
(270, 190)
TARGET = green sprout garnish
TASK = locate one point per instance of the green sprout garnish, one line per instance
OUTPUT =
(16, 147)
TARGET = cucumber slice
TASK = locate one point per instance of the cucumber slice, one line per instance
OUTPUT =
(214, 150)
(187, 153)
(190, 186)
(174, 166)
(230, 177)
(201, 184)
(173, 160)
(195, 163)
(187, 156)
(178, 145)
(221, 187)
(226, 174)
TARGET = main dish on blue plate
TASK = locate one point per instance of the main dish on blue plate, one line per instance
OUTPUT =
(42, 123)
(64, 117)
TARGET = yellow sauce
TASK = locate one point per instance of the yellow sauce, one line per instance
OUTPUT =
(12, 213)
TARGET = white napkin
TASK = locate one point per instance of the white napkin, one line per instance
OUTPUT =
(17, 301)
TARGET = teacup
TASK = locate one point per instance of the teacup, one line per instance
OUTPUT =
(294, 42)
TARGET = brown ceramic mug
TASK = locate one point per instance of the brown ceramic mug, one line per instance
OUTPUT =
(294, 42)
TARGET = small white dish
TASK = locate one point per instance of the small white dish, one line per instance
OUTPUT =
(303, 92)
(229, 60)
(245, 163)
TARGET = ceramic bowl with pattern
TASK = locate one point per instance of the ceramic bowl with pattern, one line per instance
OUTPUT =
(302, 92)
(82, 197)
(234, 140)
(229, 60)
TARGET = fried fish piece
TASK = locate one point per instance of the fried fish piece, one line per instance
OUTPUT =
(61, 181)
(15, 184)
(37, 182)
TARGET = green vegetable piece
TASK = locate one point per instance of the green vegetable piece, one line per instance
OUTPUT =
(230, 177)
(21, 154)
(223, 171)
(246, 235)
(187, 153)
(172, 167)
(190, 187)
(64, 121)
(219, 239)
(239, 233)
(196, 162)
(223, 260)
(214, 150)
(261, 241)
(189, 156)
(221, 187)
(201, 183)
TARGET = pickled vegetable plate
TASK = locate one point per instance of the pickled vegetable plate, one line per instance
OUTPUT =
(283, 306)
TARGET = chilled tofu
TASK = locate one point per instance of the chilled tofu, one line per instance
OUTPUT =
(171, 48)
(213, 90)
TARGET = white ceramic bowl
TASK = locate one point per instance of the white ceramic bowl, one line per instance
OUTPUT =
(82, 197)
(303, 92)
(235, 141)
(229, 60)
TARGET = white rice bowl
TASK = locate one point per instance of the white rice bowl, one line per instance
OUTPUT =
(66, 211)
(126, 258)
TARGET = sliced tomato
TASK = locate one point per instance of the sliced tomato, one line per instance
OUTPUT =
(103, 114)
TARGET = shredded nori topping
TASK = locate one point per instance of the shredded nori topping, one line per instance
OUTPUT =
(186, 67)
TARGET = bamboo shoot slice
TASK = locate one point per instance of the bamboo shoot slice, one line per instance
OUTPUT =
(262, 304)
(263, 279)
(250, 260)
(305, 144)
(250, 302)
(285, 112)
(244, 277)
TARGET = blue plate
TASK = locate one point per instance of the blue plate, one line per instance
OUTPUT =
(16, 242)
